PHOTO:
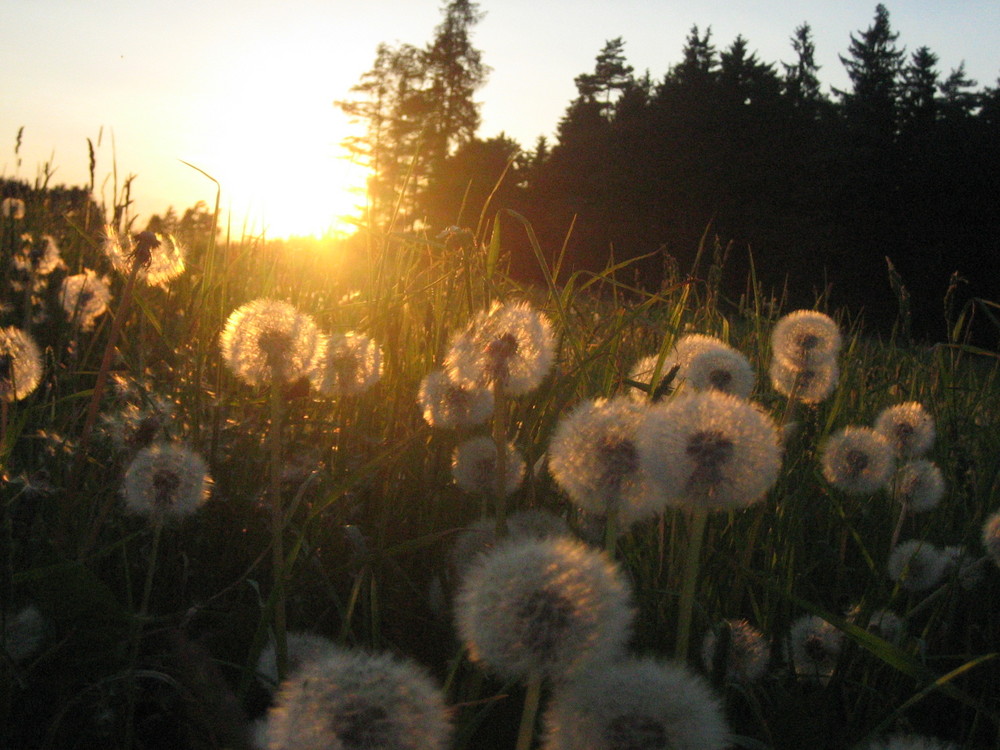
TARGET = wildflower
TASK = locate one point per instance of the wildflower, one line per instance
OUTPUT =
(813, 648)
(857, 460)
(12, 208)
(474, 467)
(909, 742)
(709, 450)
(350, 699)
(908, 428)
(918, 485)
(303, 648)
(805, 338)
(917, 565)
(160, 256)
(741, 650)
(708, 363)
(593, 457)
(991, 537)
(511, 345)
(20, 364)
(85, 297)
(810, 385)
(38, 258)
(270, 339)
(543, 608)
(636, 703)
(24, 634)
(481, 536)
(166, 480)
(450, 405)
(352, 364)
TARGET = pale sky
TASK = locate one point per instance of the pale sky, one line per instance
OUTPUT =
(244, 89)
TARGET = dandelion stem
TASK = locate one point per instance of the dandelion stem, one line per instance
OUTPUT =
(899, 525)
(532, 699)
(500, 440)
(696, 536)
(277, 531)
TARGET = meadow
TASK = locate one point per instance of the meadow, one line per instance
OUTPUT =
(188, 507)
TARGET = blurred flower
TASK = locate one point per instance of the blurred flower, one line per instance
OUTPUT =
(594, 459)
(909, 742)
(12, 208)
(543, 608)
(449, 405)
(24, 633)
(882, 623)
(804, 339)
(352, 364)
(908, 428)
(857, 460)
(303, 648)
(708, 363)
(968, 569)
(810, 385)
(481, 536)
(474, 467)
(918, 485)
(20, 364)
(813, 648)
(350, 699)
(511, 345)
(917, 565)
(991, 537)
(85, 297)
(709, 450)
(166, 480)
(269, 338)
(741, 649)
(632, 704)
(38, 258)
(160, 256)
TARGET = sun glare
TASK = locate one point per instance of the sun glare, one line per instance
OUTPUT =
(273, 143)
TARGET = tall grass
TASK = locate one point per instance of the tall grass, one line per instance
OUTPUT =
(371, 510)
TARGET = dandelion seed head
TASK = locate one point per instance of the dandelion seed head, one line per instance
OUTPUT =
(917, 565)
(991, 537)
(635, 704)
(474, 467)
(805, 338)
(269, 338)
(857, 460)
(544, 607)
(20, 364)
(481, 536)
(968, 570)
(351, 366)
(708, 363)
(166, 480)
(39, 258)
(809, 385)
(511, 345)
(85, 297)
(347, 700)
(160, 256)
(24, 633)
(302, 648)
(12, 208)
(908, 428)
(450, 405)
(642, 372)
(918, 485)
(709, 450)
(745, 655)
(813, 648)
(909, 742)
(882, 623)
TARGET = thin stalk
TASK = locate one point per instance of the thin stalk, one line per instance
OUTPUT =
(903, 512)
(532, 699)
(277, 531)
(500, 440)
(696, 536)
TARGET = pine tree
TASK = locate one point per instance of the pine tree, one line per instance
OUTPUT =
(611, 77)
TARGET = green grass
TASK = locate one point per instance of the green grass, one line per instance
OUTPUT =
(371, 508)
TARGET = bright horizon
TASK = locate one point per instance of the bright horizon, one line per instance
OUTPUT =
(245, 90)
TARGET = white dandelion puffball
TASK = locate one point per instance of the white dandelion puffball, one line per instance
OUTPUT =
(165, 255)
(474, 467)
(40, 258)
(351, 365)
(85, 297)
(511, 346)
(350, 699)
(12, 208)
(643, 371)
(166, 480)
(908, 428)
(918, 485)
(857, 460)
(917, 565)
(809, 385)
(635, 703)
(991, 537)
(708, 363)
(805, 338)
(543, 608)
(20, 364)
(743, 652)
(813, 648)
(302, 649)
(481, 536)
(882, 623)
(594, 459)
(268, 338)
(450, 405)
(709, 450)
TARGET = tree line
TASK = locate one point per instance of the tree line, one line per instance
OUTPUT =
(893, 180)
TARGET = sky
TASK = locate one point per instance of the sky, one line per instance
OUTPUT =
(244, 89)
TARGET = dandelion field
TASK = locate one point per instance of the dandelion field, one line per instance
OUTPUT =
(191, 484)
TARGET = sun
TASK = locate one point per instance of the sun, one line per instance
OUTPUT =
(272, 140)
